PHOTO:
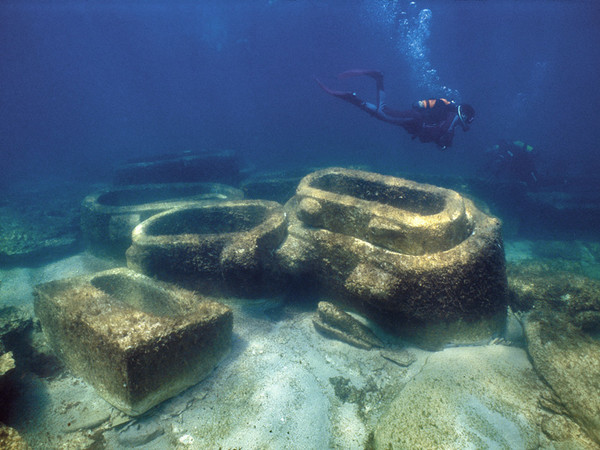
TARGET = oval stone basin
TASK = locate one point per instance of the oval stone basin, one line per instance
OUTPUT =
(217, 247)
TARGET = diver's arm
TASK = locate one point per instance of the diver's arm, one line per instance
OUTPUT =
(445, 139)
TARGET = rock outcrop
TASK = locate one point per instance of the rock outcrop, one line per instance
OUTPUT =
(10, 439)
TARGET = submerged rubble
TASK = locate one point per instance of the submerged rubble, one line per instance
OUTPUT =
(420, 261)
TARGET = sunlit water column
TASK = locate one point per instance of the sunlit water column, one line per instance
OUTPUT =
(409, 28)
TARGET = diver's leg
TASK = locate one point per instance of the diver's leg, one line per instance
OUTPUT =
(351, 98)
(377, 76)
(406, 119)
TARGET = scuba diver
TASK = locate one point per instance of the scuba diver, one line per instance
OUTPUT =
(432, 120)
(512, 160)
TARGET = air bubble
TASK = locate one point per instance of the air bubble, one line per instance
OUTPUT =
(410, 29)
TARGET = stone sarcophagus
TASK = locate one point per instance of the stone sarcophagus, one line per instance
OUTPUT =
(221, 248)
(135, 340)
(109, 216)
(422, 260)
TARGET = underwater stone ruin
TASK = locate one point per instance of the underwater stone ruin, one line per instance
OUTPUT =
(136, 340)
(109, 216)
(224, 247)
(421, 260)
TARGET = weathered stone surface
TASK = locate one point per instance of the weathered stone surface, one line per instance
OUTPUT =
(333, 322)
(109, 216)
(538, 287)
(221, 166)
(419, 259)
(569, 361)
(225, 247)
(469, 397)
(136, 340)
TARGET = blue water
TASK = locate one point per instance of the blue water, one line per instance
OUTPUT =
(85, 86)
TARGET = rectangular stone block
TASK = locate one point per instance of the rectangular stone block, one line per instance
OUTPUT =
(137, 341)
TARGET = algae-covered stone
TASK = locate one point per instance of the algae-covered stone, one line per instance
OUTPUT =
(421, 260)
(225, 247)
(333, 322)
(109, 216)
(569, 361)
(470, 397)
(136, 340)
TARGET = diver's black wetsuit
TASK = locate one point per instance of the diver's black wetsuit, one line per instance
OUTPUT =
(428, 120)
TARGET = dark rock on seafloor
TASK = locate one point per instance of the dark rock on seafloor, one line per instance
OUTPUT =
(402, 358)
(14, 323)
(333, 322)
